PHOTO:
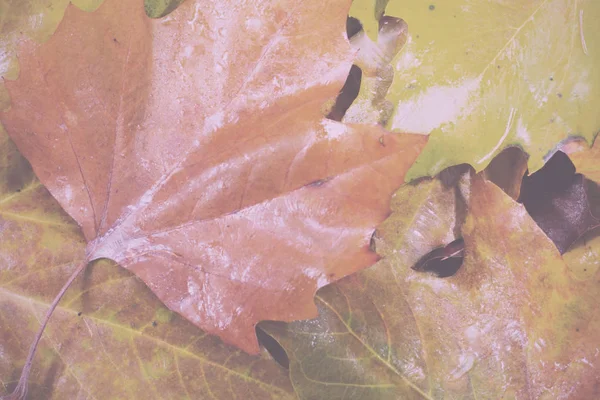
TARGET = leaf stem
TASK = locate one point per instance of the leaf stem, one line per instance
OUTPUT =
(20, 391)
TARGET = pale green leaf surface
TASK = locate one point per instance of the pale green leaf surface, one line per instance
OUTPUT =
(480, 76)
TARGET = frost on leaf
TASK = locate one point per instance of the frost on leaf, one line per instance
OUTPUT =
(515, 321)
(481, 76)
(110, 337)
(192, 151)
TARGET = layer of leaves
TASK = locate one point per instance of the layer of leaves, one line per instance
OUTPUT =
(482, 76)
(514, 322)
(369, 13)
(192, 151)
(110, 337)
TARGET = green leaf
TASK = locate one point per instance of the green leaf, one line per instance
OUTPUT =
(480, 76)
(369, 12)
(160, 8)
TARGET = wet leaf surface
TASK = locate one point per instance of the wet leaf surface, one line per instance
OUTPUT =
(110, 337)
(482, 76)
(515, 321)
(192, 151)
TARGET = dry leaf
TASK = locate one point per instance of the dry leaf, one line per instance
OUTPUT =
(587, 161)
(192, 151)
(482, 76)
(513, 322)
(110, 338)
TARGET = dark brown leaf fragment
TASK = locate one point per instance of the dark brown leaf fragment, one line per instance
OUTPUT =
(558, 199)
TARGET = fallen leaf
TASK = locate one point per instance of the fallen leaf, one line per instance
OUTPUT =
(482, 76)
(582, 258)
(36, 19)
(513, 322)
(587, 161)
(110, 338)
(559, 201)
(507, 170)
(192, 151)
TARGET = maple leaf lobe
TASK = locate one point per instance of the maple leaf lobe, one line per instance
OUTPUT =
(183, 147)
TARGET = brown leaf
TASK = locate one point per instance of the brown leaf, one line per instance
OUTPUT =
(110, 338)
(507, 170)
(513, 322)
(192, 151)
(587, 161)
(558, 200)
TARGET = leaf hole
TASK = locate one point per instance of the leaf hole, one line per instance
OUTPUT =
(347, 95)
(353, 26)
(273, 347)
(443, 261)
(554, 189)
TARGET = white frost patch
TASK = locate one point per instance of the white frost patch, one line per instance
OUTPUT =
(436, 284)
(334, 129)
(193, 21)
(214, 122)
(193, 288)
(407, 61)
(472, 333)
(336, 74)
(539, 95)
(581, 90)
(585, 361)
(314, 273)
(436, 106)
(253, 24)
(187, 51)
(68, 192)
(522, 132)
(465, 363)
(539, 344)
(583, 44)
(144, 200)
(515, 333)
